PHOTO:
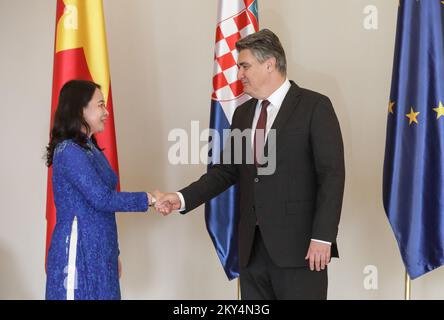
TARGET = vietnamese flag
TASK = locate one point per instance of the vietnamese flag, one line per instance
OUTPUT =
(80, 52)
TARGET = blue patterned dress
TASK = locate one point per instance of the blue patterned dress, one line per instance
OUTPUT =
(82, 258)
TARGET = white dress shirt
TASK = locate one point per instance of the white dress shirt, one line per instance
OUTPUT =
(275, 99)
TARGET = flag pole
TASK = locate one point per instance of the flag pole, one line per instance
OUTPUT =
(408, 284)
(238, 289)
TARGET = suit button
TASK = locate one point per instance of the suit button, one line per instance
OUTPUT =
(254, 208)
(256, 179)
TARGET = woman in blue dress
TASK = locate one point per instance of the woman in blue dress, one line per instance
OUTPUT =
(82, 260)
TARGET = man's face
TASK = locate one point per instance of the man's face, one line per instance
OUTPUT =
(253, 74)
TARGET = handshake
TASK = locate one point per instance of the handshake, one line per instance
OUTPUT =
(164, 203)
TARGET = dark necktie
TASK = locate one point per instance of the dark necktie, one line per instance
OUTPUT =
(259, 139)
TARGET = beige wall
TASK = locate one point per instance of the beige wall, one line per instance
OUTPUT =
(161, 66)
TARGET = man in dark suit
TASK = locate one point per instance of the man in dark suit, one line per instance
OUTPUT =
(288, 219)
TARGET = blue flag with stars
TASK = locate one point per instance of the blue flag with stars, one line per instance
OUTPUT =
(413, 183)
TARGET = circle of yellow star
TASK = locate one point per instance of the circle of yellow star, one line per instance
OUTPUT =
(439, 110)
(390, 107)
(412, 116)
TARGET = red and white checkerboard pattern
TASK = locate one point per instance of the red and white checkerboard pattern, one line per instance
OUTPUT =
(225, 84)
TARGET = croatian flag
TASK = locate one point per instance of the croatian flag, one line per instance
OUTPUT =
(236, 20)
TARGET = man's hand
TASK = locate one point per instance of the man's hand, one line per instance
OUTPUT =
(167, 202)
(318, 255)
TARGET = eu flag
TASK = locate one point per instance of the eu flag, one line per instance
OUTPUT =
(413, 184)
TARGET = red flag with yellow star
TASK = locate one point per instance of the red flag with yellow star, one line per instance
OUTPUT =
(80, 52)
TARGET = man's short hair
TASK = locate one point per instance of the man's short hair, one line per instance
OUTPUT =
(264, 44)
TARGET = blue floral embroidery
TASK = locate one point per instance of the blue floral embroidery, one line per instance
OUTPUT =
(84, 186)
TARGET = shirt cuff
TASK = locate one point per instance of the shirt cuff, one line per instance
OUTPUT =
(182, 201)
(326, 242)
(151, 200)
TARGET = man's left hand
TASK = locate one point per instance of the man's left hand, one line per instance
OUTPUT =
(318, 255)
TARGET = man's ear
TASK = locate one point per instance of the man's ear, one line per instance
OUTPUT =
(271, 64)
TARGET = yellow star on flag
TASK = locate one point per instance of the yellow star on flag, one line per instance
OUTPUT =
(390, 107)
(412, 116)
(439, 110)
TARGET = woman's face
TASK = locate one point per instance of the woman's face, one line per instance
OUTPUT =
(95, 113)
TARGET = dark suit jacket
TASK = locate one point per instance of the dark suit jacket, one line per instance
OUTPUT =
(303, 198)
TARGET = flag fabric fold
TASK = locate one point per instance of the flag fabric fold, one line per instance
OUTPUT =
(413, 182)
(236, 20)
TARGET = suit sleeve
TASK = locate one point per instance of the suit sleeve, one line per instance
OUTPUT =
(79, 171)
(328, 154)
(218, 178)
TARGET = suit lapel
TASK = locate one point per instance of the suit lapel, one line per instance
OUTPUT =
(248, 124)
(284, 114)
(287, 108)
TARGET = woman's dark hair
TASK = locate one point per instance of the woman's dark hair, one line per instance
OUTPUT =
(68, 119)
